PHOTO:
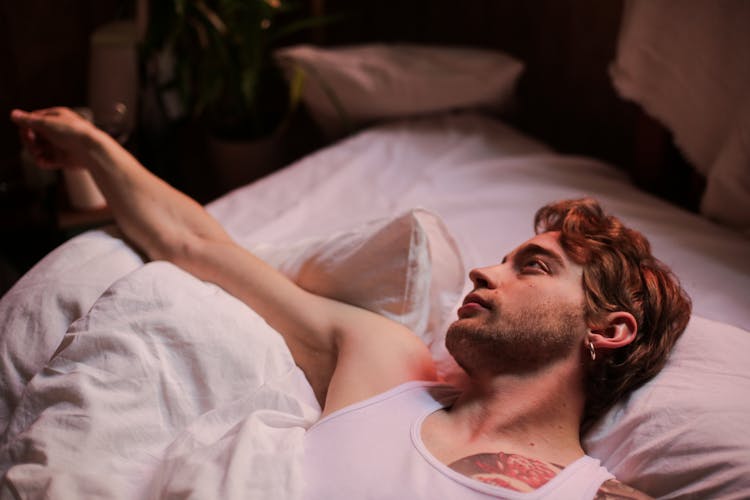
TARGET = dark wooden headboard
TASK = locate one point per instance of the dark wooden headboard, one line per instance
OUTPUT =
(565, 96)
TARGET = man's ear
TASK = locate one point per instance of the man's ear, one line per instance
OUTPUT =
(618, 329)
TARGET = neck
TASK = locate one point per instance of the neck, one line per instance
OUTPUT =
(536, 415)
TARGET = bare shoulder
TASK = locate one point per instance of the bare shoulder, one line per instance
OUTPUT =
(375, 354)
(377, 338)
(615, 490)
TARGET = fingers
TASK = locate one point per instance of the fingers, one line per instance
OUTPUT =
(41, 116)
(36, 128)
(20, 117)
(26, 122)
(30, 124)
(28, 137)
(57, 125)
(55, 137)
(39, 148)
(34, 119)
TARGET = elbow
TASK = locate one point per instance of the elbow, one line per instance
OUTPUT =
(190, 251)
(194, 254)
(177, 249)
(155, 244)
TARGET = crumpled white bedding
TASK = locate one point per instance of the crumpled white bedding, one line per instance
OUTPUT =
(168, 385)
(36, 312)
(161, 388)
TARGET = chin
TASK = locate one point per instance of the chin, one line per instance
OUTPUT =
(478, 349)
(463, 343)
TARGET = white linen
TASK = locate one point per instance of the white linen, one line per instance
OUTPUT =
(687, 62)
(485, 181)
(36, 312)
(163, 364)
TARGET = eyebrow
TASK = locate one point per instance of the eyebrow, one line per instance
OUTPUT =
(533, 249)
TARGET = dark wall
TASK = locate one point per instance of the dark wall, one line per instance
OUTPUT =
(565, 95)
(43, 62)
(43, 59)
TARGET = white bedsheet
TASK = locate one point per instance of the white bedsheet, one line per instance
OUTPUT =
(161, 389)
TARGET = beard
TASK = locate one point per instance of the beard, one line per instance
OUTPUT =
(520, 342)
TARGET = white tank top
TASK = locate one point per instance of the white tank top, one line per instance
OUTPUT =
(373, 450)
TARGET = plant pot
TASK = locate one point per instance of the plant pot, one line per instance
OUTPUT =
(236, 163)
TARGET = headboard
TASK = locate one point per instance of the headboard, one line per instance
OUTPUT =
(565, 96)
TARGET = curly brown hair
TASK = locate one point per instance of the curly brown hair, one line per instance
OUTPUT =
(619, 274)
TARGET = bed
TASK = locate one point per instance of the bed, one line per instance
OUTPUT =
(126, 379)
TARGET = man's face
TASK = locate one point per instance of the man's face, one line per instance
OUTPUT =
(523, 313)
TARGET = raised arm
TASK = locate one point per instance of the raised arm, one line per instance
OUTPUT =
(355, 352)
(152, 215)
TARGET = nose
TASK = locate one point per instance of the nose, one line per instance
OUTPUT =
(482, 277)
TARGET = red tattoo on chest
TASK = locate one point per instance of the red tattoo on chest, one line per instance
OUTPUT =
(510, 471)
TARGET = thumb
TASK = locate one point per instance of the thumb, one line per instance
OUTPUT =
(29, 122)
(20, 117)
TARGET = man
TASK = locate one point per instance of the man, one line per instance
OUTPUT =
(567, 324)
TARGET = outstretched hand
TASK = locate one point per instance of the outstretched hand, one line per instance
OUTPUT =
(55, 137)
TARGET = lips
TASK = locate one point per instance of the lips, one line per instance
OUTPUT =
(474, 298)
(473, 304)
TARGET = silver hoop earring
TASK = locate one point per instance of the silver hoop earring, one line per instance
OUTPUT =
(592, 351)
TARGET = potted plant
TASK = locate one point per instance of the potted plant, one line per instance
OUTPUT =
(218, 58)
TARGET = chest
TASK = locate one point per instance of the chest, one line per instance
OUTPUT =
(479, 459)
(375, 449)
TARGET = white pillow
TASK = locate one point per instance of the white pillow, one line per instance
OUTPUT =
(407, 268)
(683, 65)
(348, 87)
(684, 434)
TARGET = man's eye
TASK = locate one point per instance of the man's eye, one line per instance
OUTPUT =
(536, 265)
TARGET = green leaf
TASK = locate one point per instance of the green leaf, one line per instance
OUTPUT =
(296, 86)
(223, 69)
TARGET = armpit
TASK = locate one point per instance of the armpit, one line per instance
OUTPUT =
(615, 490)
